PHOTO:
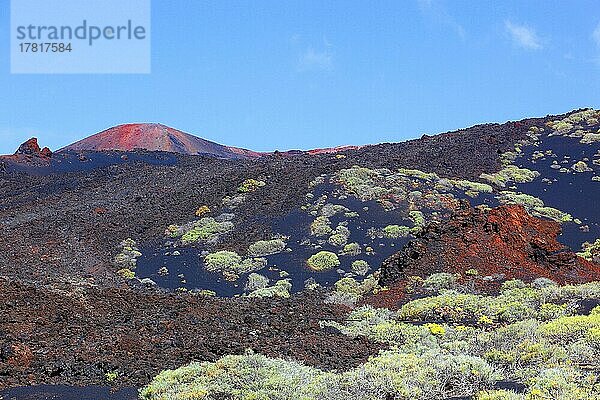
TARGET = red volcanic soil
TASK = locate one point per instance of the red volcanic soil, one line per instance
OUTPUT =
(501, 243)
(32, 148)
(28, 153)
(156, 137)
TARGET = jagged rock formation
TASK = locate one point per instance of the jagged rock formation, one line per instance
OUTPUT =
(32, 148)
(500, 243)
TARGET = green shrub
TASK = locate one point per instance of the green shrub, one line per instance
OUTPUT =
(323, 260)
(551, 213)
(250, 185)
(127, 258)
(380, 325)
(337, 240)
(256, 281)
(534, 206)
(449, 306)
(550, 311)
(469, 186)
(249, 376)
(351, 249)
(563, 383)
(351, 285)
(126, 273)
(233, 202)
(511, 306)
(364, 183)
(511, 173)
(389, 375)
(513, 284)
(415, 173)
(432, 375)
(431, 360)
(231, 265)
(347, 299)
(111, 376)
(527, 201)
(329, 210)
(590, 138)
(418, 220)
(266, 247)
(441, 280)
(339, 236)
(591, 251)
(206, 229)
(360, 267)
(396, 231)
(581, 166)
(498, 395)
(280, 289)
(321, 226)
(540, 283)
(223, 260)
(568, 329)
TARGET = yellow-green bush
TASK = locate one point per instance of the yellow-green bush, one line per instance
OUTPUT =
(391, 374)
(498, 395)
(281, 288)
(266, 247)
(206, 229)
(231, 265)
(396, 231)
(435, 360)
(566, 329)
(511, 173)
(250, 185)
(323, 260)
(563, 383)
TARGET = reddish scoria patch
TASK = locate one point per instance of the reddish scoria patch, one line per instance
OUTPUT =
(504, 243)
(156, 137)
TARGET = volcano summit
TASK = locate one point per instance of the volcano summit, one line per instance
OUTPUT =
(156, 137)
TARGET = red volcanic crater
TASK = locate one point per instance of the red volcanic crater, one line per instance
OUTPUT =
(156, 137)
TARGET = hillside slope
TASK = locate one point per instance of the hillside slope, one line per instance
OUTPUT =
(156, 137)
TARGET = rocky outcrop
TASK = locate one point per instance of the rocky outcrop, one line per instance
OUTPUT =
(80, 338)
(500, 243)
(32, 148)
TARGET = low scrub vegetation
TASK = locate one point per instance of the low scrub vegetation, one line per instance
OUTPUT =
(205, 229)
(534, 206)
(511, 173)
(323, 261)
(535, 335)
(250, 185)
(231, 264)
(541, 338)
(266, 247)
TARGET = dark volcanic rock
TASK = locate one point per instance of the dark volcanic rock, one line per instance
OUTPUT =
(76, 334)
(66, 227)
(170, 194)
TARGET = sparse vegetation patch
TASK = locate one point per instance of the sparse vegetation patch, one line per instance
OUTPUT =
(323, 260)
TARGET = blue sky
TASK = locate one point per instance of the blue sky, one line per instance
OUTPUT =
(272, 75)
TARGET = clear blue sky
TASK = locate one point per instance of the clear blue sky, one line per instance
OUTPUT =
(272, 75)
